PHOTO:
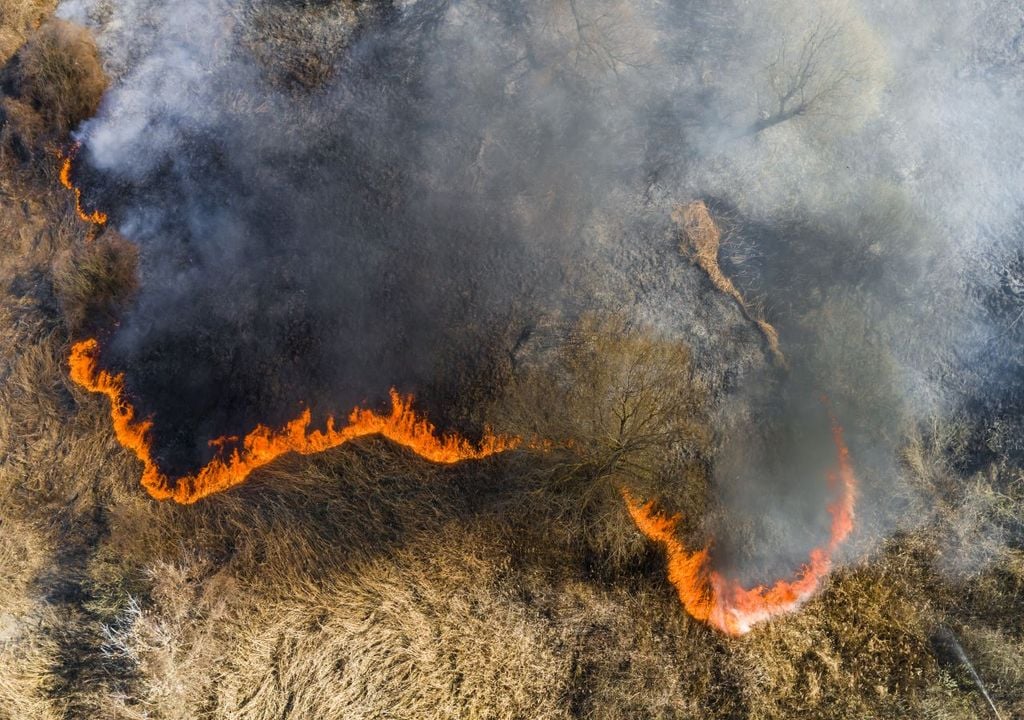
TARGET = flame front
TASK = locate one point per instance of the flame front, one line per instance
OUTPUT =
(96, 217)
(264, 444)
(722, 602)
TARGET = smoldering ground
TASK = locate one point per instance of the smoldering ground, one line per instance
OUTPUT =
(422, 178)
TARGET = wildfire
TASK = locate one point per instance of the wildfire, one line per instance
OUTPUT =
(264, 444)
(96, 217)
(722, 602)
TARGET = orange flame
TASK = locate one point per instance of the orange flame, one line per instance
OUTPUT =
(264, 444)
(96, 217)
(722, 602)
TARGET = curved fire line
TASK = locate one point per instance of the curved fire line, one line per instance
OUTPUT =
(263, 444)
(96, 217)
(722, 602)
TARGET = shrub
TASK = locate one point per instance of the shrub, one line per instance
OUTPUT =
(620, 408)
(20, 129)
(17, 17)
(60, 74)
(92, 280)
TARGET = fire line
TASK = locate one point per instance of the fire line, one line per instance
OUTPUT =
(722, 602)
(96, 217)
(263, 444)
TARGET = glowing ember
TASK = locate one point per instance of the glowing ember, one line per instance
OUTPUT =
(263, 444)
(96, 217)
(722, 602)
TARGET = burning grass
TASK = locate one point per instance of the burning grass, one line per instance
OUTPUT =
(721, 601)
(365, 582)
(263, 445)
(96, 217)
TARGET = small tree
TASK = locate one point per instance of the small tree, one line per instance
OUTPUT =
(831, 69)
(619, 407)
(587, 38)
(59, 72)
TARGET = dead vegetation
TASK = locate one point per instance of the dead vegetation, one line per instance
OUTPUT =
(18, 18)
(53, 82)
(58, 72)
(701, 239)
(92, 280)
(20, 129)
(298, 44)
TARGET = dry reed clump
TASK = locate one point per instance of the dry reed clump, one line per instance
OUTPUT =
(167, 638)
(20, 129)
(860, 649)
(17, 19)
(353, 586)
(998, 657)
(423, 633)
(27, 655)
(93, 279)
(53, 465)
(874, 651)
(60, 74)
(702, 238)
(969, 551)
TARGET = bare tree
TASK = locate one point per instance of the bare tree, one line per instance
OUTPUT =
(599, 41)
(816, 75)
(601, 36)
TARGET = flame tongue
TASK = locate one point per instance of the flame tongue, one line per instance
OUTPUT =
(263, 444)
(722, 602)
(96, 217)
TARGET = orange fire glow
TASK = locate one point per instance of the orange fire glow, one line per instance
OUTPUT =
(261, 446)
(722, 602)
(96, 217)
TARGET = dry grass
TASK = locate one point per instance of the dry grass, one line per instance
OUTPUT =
(18, 18)
(92, 280)
(27, 657)
(364, 583)
(702, 238)
(60, 74)
(21, 128)
(26, 653)
(463, 607)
